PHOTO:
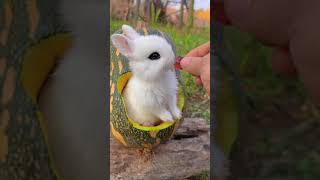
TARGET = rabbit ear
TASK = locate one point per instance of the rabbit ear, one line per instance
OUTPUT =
(130, 32)
(122, 43)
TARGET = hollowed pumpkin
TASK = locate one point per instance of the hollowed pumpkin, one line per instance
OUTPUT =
(126, 130)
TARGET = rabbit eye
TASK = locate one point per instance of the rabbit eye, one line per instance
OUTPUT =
(154, 56)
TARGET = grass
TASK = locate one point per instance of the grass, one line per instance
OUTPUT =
(204, 175)
(185, 40)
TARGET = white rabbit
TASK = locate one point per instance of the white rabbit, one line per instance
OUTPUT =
(151, 93)
(73, 100)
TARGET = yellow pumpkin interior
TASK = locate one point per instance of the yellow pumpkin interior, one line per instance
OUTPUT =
(38, 61)
(121, 83)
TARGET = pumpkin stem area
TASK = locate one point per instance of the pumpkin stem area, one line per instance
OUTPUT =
(122, 82)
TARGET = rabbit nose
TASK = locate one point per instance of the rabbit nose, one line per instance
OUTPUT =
(177, 63)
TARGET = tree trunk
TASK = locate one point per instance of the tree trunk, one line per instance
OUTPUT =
(147, 12)
(163, 14)
(191, 10)
(127, 16)
(181, 13)
(152, 11)
(138, 9)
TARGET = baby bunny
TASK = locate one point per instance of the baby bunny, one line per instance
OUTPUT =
(151, 93)
(72, 100)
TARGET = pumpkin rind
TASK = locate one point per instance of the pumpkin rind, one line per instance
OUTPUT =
(126, 133)
(34, 28)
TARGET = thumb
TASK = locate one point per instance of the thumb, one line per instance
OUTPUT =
(192, 65)
(254, 17)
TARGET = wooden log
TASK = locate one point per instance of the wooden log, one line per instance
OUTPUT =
(186, 155)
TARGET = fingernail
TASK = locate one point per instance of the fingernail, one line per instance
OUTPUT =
(185, 61)
(199, 81)
(177, 63)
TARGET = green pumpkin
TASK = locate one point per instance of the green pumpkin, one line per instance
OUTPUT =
(125, 129)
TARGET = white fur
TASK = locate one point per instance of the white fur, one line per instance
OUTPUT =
(74, 99)
(151, 93)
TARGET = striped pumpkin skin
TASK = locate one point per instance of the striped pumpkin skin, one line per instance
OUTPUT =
(122, 129)
(24, 149)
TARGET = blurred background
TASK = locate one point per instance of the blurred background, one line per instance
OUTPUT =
(187, 22)
(174, 12)
(282, 124)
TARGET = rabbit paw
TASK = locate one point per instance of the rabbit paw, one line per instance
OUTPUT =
(166, 116)
(176, 113)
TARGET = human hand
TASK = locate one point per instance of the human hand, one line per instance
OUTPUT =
(197, 63)
(291, 28)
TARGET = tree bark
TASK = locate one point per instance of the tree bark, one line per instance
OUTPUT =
(181, 13)
(137, 10)
(147, 12)
(191, 10)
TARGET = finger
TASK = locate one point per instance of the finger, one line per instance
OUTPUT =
(255, 17)
(198, 81)
(192, 65)
(282, 62)
(200, 51)
(205, 76)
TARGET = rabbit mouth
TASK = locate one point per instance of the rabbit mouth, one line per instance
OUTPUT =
(177, 64)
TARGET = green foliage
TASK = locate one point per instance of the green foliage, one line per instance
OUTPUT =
(157, 16)
(204, 175)
(185, 40)
(153, 18)
(191, 9)
(115, 25)
(154, 14)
